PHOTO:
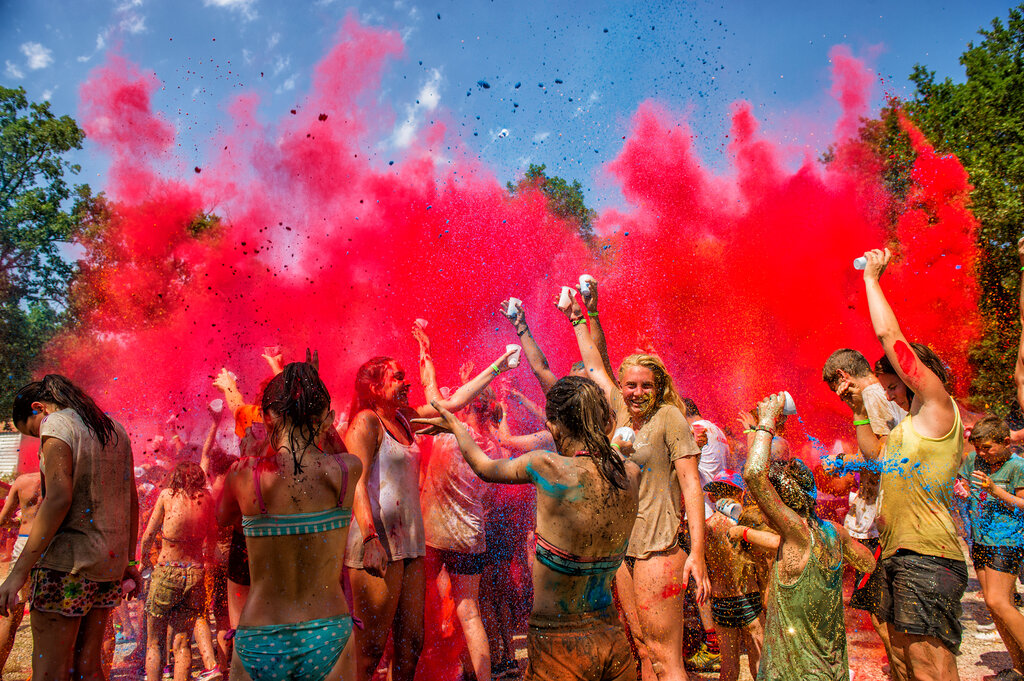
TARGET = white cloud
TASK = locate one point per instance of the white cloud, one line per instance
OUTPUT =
(280, 64)
(243, 7)
(12, 70)
(133, 23)
(37, 56)
(128, 4)
(540, 137)
(274, 39)
(246, 55)
(101, 42)
(287, 85)
(47, 95)
(428, 99)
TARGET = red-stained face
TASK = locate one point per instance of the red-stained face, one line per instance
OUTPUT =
(895, 390)
(394, 389)
(638, 388)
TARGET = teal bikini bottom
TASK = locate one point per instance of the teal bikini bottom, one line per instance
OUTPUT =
(289, 652)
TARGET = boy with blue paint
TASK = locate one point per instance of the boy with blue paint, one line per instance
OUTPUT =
(996, 509)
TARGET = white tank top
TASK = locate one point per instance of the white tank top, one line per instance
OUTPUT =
(393, 487)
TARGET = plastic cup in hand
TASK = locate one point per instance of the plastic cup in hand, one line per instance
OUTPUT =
(585, 280)
(565, 299)
(625, 433)
(789, 408)
(513, 307)
(422, 323)
(513, 361)
(860, 263)
(217, 406)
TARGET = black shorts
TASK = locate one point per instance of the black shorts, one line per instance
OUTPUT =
(458, 563)
(238, 560)
(921, 595)
(869, 596)
(1008, 559)
(735, 612)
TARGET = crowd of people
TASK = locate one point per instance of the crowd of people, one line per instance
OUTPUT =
(352, 544)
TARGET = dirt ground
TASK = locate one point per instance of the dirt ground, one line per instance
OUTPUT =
(979, 658)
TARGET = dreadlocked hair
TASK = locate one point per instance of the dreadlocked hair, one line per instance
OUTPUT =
(664, 389)
(57, 389)
(369, 376)
(188, 479)
(296, 399)
(578, 405)
(794, 482)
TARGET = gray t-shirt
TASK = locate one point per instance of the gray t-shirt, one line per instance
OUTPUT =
(93, 539)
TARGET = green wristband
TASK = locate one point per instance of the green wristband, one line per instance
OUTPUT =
(862, 422)
(495, 370)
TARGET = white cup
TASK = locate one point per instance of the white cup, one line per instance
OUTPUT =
(585, 280)
(513, 307)
(513, 361)
(789, 408)
(565, 299)
(625, 433)
(422, 323)
(860, 263)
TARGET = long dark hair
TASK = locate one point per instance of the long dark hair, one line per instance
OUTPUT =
(369, 376)
(578, 405)
(298, 395)
(57, 389)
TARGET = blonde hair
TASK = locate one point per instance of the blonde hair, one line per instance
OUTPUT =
(664, 389)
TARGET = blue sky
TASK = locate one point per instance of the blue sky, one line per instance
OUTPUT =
(694, 57)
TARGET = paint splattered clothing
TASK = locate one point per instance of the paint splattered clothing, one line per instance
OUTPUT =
(93, 539)
(994, 523)
(664, 439)
(805, 635)
(882, 412)
(588, 646)
(178, 589)
(915, 498)
(71, 595)
(453, 497)
(394, 490)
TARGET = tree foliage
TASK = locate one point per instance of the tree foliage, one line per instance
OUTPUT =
(981, 120)
(565, 200)
(34, 223)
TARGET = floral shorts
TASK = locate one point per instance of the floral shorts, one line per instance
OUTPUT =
(71, 595)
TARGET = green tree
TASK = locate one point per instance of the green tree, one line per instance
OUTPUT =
(34, 223)
(564, 200)
(981, 120)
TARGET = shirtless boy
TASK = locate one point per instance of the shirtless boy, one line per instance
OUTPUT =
(25, 494)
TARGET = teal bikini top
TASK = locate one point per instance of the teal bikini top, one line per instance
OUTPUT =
(267, 525)
(570, 564)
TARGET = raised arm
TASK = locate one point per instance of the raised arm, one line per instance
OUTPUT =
(534, 355)
(591, 356)
(204, 458)
(468, 391)
(762, 539)
(508, 471)
(755, 473)
(226, 383)
(937, 413)
(524, 443)
(428, 374)
(362, 441)
(529, 404)
(864, 416)
(596, 330)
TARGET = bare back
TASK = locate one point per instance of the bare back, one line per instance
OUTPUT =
(295, 578)
(583, 514)
(187, 528)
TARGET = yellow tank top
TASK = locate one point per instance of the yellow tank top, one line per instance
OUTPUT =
(915, 497)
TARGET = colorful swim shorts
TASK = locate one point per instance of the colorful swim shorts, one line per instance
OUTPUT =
(71, 595)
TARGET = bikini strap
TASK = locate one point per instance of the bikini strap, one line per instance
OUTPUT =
(259, 492)
(344, 479)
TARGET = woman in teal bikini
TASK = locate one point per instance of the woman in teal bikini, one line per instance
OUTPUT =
(295, 504)
(586, 504)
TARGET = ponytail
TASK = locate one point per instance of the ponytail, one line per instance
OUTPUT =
(58, 390)
(577, 404)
